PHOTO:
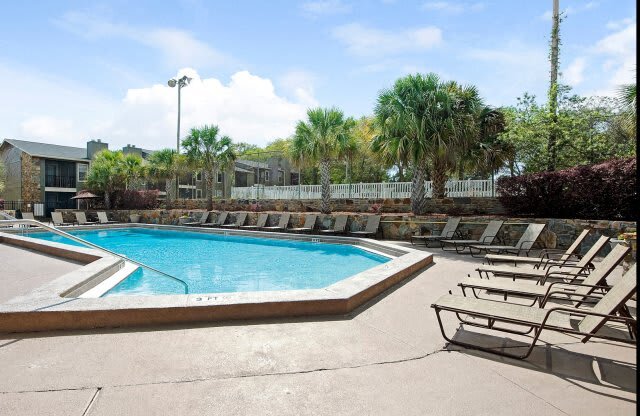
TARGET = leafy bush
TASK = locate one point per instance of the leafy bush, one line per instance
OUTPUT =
(131, 199)
(603, 191)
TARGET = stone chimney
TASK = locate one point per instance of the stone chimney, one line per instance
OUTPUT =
(94, 146)
(131, 149)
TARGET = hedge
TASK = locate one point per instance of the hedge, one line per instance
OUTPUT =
(603, 191)
(132, 199)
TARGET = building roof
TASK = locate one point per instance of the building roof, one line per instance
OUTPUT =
(253, 164)
(51, 151)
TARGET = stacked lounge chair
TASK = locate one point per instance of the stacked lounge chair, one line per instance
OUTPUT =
(219, 222)
(57, 220)
(581, 292)
(339, 226)
(262, 221)
(203, 220)
(577, 271)
(524, 244)
(103, 219)
(609, 308)
(371, 229)
(488, 235)
(283, 223)
(81, 218)
(241, 218)
(309, 224)
(546, 256)
(448, 232)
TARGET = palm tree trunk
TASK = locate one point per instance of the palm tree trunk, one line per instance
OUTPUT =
(418, 200)
(107, 199)
(326, 191)
(400, 172)
(208, 180)
(169, 190)
(439, 178)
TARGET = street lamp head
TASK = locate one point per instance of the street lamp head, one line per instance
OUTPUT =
(172, 82)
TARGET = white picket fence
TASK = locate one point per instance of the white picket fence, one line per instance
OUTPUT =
(455, 189)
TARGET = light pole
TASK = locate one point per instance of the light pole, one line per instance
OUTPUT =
(182, 82)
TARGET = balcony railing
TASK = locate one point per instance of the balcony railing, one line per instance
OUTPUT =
(56, 181)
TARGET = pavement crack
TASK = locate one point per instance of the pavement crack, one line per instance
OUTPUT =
(233, 377)
(530, 392)
(92, 401)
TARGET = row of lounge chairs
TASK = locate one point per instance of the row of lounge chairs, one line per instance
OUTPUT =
(562, 285)
(451, 239)
(81, 219)
(339, 226)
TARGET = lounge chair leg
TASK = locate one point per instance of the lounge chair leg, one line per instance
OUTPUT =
(491, 351)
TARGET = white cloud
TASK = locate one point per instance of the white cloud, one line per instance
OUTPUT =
(619, 52)
(574, 74)
(515, 67)
(47, 127)
(300, 85)
(452, 7)
(571, 10)
(319, 8)
(247, 108)
(619, 24)
(365, 41)
(177, 47)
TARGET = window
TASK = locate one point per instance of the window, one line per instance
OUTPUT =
(198, 193)
(83, 168)
(280, 177)
(198, 176)
(266, 176)
(220, 175)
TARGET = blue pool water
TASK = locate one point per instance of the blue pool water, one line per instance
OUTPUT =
(212, 263)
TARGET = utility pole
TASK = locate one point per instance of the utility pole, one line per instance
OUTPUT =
(553, 88)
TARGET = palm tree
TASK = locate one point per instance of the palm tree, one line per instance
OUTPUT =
(106, 174)
(392, 149)
(433, 118)
(627, 101)
(208, 152)
(322, 138)
(166, 164)
(132, 169)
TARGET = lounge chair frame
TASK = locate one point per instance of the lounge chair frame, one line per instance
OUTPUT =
(372, 222)
(537, 328)
(487, 237)
(524, 244)
(309, 219)
(546, 256)
(283, 223)
(449, 231)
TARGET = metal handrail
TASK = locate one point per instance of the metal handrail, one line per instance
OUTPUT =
(87, 243)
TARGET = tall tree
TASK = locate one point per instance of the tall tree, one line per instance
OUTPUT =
(321, 139)
(553, 87)
(208, 152)
(107, 174)
(166, 164)
(434, 119)
(132, 169)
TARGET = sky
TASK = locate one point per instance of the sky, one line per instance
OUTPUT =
(75, 70)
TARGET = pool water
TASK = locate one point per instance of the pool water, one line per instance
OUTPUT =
(213, 263)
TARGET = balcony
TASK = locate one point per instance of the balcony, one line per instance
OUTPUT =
(56, 181)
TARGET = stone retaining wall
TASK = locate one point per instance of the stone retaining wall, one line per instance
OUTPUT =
(451, 206)
(559, 233)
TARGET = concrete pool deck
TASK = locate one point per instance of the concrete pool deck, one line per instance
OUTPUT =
(386, 357)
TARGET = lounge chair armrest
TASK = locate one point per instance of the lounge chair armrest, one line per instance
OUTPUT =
(564, 291)
(586, 312)
(563, 275)
(569, 294)
(488, 237)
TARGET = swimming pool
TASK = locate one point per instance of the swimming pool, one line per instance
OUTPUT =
(214, 263)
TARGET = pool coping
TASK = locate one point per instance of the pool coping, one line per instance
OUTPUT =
(57, 305)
